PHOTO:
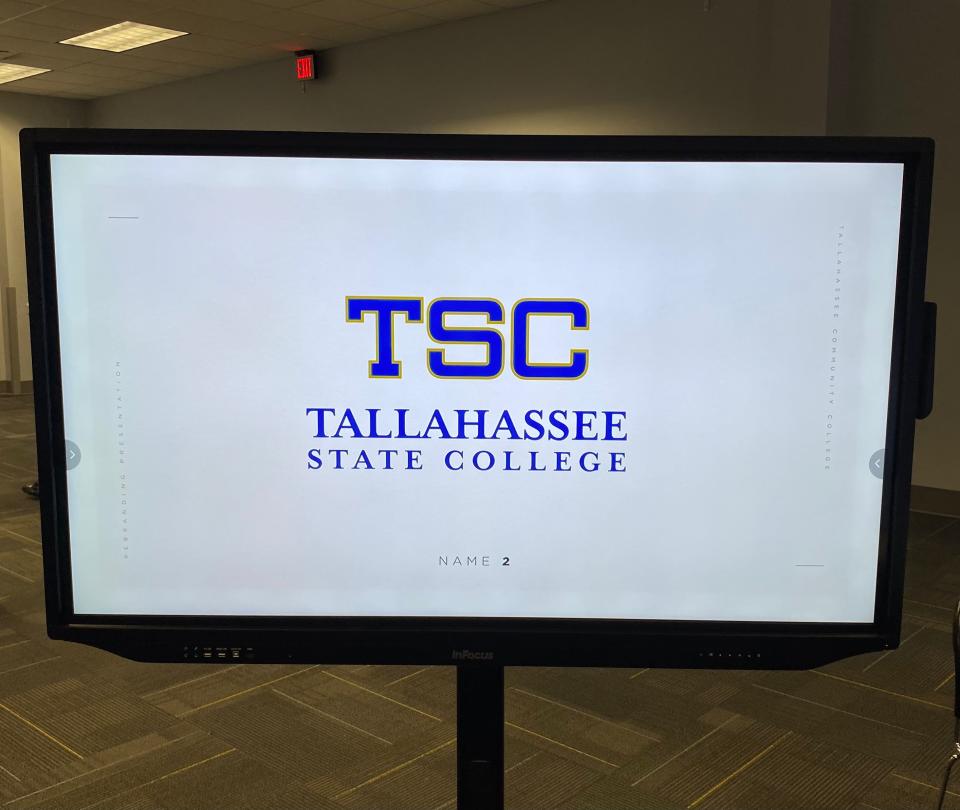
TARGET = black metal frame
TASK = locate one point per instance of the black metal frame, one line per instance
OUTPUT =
(581, 642)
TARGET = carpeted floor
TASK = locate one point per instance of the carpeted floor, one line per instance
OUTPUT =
(81, 729)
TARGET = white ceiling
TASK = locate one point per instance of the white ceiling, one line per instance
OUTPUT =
(223, 34)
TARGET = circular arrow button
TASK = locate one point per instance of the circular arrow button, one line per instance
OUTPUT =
(876, 463)
(73, 455)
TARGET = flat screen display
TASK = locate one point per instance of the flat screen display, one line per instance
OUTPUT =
(345, 386)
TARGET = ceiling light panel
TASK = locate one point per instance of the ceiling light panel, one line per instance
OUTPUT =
(10, 73)
(123, 36)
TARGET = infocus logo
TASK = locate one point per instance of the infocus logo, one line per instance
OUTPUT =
(470, 655)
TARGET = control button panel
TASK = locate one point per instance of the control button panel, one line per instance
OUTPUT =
(204, 653)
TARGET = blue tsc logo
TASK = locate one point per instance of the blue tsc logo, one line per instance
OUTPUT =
(385, 309)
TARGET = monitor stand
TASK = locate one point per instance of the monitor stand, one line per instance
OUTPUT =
(479, 737)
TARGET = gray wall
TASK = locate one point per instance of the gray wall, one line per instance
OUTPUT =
(18, 110)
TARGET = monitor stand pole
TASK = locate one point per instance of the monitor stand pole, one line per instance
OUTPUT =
(479, 737)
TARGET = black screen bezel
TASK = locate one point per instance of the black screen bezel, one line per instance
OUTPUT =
(574, 642)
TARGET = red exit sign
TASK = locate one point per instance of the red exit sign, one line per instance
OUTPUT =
(306, 65)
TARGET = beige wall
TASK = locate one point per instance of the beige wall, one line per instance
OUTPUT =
(895, 70)
(610, 66)
(18, 110)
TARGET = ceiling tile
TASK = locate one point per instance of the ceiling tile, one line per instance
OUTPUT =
(343, 10)
(179, 20)
(336, 32)
(40, 33)
(249, 33)
(182, 56)
(76, 21)
(22, 86)
(13, 8)
(168, 68)
(286, 4)
(78, 82)
(402, 5)
(397, 21)
(110, 88)
(9, 43)
(203, 43)
(105, 71)
(45, 61)
(85, 82)
(287, 20)
(456, 9)
(248, 56)
(18, 45)
(304, 43)
(235, 10)
(50, 80)
(193, 23)
(43, 90)
(120, 9)
(345, 33)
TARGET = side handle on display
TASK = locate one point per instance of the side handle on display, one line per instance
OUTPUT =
(928, 341)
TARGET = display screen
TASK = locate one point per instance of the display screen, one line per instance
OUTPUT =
(475, 388)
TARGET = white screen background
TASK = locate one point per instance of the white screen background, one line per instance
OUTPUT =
(214, 287)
